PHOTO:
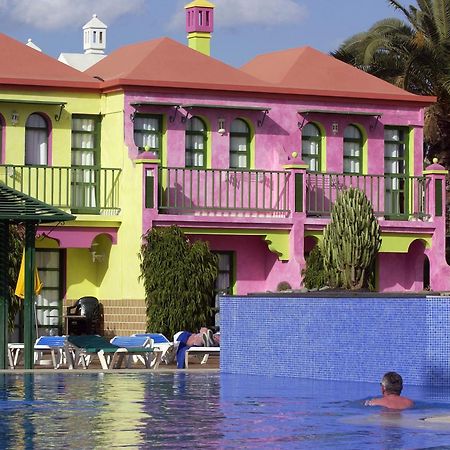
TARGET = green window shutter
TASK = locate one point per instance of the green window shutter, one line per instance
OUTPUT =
(149, 190)
(438, 197)
(298, 192)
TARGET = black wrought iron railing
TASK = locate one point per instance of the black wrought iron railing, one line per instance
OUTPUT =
(80, 189)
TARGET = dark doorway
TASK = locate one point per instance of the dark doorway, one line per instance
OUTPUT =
(426, 274)
(224, 285)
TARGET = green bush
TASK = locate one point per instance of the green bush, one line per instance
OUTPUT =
(351, 241)
(178, 279)
(314, 275)
(283, 286)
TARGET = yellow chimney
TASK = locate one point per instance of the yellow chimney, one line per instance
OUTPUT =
(200, 25)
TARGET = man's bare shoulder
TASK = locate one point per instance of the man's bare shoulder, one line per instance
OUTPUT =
(375, 402)
(391, 402)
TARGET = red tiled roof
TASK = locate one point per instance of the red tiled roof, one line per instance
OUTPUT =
(167, 63)
(307, 71)
(22, 65)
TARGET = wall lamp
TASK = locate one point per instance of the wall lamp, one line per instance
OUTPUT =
(14, 118)
(96, 255)
(335, 128)
(221, 127)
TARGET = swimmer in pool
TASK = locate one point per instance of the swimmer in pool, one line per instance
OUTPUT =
(391, 388)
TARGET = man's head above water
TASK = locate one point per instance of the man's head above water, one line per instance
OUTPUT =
(392, 383)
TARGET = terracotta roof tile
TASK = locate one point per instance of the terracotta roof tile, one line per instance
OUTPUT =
(22, 65)
(308, 71)
(165, 62)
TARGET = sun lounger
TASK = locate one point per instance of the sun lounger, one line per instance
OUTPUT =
(200, 351)
(110, 355)
(150, 357)
(162, 343)
(183, 351)
(55, 346)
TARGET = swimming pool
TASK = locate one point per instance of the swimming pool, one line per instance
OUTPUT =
(210, 410)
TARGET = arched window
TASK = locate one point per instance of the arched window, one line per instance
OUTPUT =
(311, 143)
(239, 144)
(353, 143)
(36, 140)
(195, 142)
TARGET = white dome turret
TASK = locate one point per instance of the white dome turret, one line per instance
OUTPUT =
(94, 36)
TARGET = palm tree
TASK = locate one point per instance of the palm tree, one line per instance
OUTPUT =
(413, 54)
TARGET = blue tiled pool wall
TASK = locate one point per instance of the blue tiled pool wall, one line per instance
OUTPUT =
(351, 339)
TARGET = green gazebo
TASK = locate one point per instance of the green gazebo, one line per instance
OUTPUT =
(15, 208)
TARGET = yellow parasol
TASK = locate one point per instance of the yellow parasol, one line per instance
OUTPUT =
(20, 286)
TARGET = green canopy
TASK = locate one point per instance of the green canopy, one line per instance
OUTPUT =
(17, 207)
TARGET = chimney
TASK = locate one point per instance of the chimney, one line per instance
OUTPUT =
(199, 25)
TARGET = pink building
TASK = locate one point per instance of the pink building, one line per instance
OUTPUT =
(251, 160)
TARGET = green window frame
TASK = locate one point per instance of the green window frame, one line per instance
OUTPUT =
(396, 171)
(312, 146)
(51, 266)
(353, 147)
(148, 133)
(195, 143)
(49, 308)
(239, 144)
(226, 279)
(85, 163)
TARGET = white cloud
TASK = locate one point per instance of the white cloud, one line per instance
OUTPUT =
(55, 14)
(231, 13)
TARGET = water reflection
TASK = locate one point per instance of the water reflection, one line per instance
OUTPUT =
(183, 410)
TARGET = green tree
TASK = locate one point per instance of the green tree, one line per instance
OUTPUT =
(413, 54)
(178, 279)
(351, 241)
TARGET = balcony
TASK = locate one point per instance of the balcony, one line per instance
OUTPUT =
(262, 193)
(80, 190)
(395, 197)
(227, 192)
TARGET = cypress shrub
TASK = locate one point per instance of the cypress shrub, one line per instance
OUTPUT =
(314, 275)
(178, 279)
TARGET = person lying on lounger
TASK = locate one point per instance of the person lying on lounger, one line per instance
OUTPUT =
(391, 388)
(204, 338)
(186, 339)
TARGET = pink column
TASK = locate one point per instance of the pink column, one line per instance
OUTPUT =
(149, 194)
(436, 206)
(297, 203)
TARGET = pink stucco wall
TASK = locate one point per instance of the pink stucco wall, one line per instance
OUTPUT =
(257, 268)
(402, 271)
(279, 135)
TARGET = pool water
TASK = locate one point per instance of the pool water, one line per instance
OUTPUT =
(211, 411)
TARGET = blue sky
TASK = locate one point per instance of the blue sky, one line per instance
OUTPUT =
(243, 28)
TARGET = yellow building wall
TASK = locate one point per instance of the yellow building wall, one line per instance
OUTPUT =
(116, 275)
(14, 137)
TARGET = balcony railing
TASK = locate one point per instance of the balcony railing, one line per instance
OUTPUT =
(392, 196)
(266, 193)
(229, 191)
(82, 190)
